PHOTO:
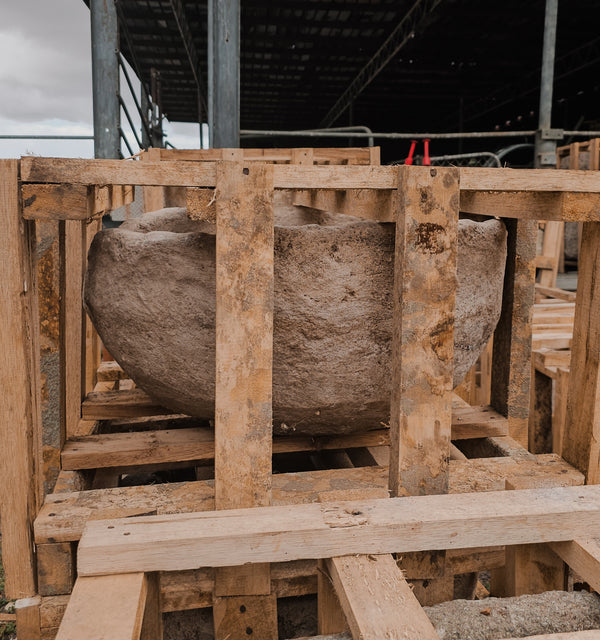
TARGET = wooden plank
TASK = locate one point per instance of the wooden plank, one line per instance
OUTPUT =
(276, 534)
(154, 197)
(536, 204)
(553, 241)
(110, 371)
(511, 369)
(27, 613)
(134, 403)
(423, 330)
(583, 556)
(582, 428)
(196, 444)
(203, 174)
(71, 324)
(56, 568)
(244, 320)
(377, 600)
(64, 515)
(540, 418)
(554, 292)
(334, 155)
(20, 413)
(123, 599)
(559, 418)
(362, 203)
(243, 384)
(90, 338)
(567, 635)
(56, 202)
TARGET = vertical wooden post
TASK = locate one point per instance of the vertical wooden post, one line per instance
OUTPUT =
(154, 197)
(91, 338)
(20, 413)
(581, 440)
(423, 331)
(72, 239)
(243, 394)
(511, 359)
(423, 335)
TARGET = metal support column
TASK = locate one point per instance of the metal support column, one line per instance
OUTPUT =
(157, 114)
(224, 72)
(545, 138)
(105, 78)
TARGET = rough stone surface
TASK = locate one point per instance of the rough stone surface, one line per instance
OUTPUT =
(150, 291)
(492, 618)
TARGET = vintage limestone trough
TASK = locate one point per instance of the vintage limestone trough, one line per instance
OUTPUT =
(150, 291)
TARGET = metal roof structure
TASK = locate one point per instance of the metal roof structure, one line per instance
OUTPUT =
(451, 64)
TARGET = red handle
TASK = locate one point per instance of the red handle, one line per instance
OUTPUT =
(426, 158)
(411, 153)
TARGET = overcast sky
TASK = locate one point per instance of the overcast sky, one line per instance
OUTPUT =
(46, 79)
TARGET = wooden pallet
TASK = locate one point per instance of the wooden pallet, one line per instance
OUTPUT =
(295, 528)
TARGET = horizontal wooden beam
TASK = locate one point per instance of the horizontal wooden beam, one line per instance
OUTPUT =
(64, 515)
(535, 202)
(197, 444)
(65, 201)
(392, 525)
(133, 403)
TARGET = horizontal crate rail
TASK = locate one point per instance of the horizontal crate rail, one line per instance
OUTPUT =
(298, 532)
(65, 189)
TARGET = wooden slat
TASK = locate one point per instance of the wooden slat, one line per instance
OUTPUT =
(554, 292)
(120, 616)
(64, 515)
(511, 368)
(56, 202)
(243, 383)
(244, 320)
(196, 444)
(72, 361)
(276, 534)
(135, 403)
(483, 179)
(20, 420)
(582, 429)
(27, 614)
(110, 370)
(377, 600)
(423, 330)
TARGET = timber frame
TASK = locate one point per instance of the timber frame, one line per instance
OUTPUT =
(171, 546)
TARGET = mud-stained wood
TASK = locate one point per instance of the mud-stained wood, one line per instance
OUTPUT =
(423, 331)
(511, 368)
(581, 441)
(56, 568)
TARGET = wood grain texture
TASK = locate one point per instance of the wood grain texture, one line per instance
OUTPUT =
(55, 568)
(64, 515)
(118, 617)
(196, 444)
(581, 442)
(377, 600)
(243, 383)
(423, 330)
(20, 411)
(583, 556)
(511, 368)
(244, 330)
(55, 202)
(27, 613)
(276, 534)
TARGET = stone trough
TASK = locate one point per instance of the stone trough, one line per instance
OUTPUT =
(150, 292)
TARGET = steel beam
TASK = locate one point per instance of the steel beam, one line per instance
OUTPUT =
(192, 53)
(414, 20)
(545, 142)
(224, 72)
(105, 78)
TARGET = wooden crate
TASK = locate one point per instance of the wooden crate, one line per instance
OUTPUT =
(166, 547)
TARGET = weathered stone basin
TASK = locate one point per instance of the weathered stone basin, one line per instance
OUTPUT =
(150, 291)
